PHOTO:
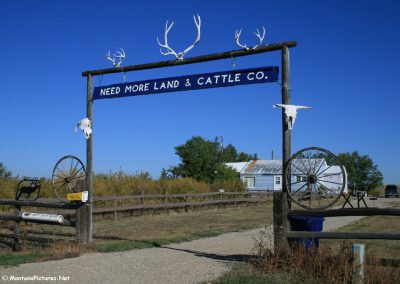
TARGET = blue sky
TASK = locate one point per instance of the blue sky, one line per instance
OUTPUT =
(345, 66)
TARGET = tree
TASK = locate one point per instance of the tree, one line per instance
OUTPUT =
(243, 157)
(230, 155)
(362, 173)
(165, 174)
(4, 173)
(204, 160)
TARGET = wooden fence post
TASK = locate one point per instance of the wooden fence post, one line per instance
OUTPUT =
(82, 223)
(186, 202)
(280, 220)
(89, 163)
(280, 197)
(115, 208)
(16, 245)
(82, 218)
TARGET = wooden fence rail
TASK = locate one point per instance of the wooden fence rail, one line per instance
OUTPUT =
(44, 203)
(160, 202)
(343, 235)
(346, 212)
(140, 203)
(183, 195)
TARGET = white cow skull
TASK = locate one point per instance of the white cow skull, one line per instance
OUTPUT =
(85, 126)
(290, 113)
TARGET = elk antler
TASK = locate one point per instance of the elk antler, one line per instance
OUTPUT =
(169, 50)
(258, 34)
(120, 56)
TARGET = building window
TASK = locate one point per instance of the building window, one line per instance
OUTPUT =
(277, 180)
(301, 179)
(250, 181)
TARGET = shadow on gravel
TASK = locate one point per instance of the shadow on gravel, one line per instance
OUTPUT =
(232, 257)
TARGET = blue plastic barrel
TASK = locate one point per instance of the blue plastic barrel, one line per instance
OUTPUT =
(310, 224)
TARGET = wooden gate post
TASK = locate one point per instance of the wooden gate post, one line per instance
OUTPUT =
(280, 204)
(81, 224)
(82, 217)
(89, 160)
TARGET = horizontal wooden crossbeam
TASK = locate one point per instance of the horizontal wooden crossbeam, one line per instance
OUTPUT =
(191, 60)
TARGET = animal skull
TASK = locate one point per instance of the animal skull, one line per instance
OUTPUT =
(86, 126)
(291, 113)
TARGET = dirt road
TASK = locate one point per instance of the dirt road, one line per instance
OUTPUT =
(189, 262)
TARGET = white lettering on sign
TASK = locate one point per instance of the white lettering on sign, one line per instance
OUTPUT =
(258, 76)
(110, 91)
(137, 88)
(166, 85)
(190, 82)
(237, 77)
(225, 78)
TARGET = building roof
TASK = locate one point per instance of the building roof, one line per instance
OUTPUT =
(270, 167)
(257, 167)
(237, 166)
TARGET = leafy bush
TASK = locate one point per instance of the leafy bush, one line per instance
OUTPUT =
(375, 193)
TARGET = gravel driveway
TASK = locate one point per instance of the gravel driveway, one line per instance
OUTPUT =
(189, 262)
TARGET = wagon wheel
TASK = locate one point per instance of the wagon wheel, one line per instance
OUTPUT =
(315, 178)
(66, 174)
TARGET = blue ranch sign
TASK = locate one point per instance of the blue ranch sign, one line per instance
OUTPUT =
(187, 83)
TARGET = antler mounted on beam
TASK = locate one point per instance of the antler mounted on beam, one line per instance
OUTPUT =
(258, 34)
(117, 58)
(169, 50)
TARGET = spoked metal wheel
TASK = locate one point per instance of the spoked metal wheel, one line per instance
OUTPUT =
(66, 174)
(315, 178)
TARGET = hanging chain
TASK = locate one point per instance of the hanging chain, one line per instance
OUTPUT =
(100, 79)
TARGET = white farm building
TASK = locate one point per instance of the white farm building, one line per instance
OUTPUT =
(266, 175)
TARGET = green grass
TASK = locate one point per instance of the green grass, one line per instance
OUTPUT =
(59, 250)
(13, 258)
(121, 246)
